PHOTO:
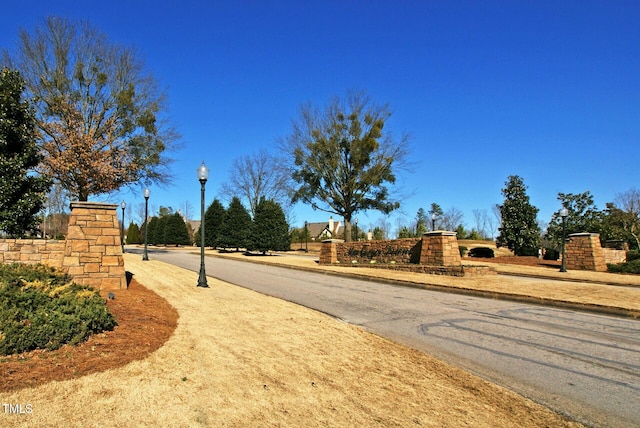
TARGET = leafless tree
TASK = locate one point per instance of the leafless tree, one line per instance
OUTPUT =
(255, 176)
(452, 218)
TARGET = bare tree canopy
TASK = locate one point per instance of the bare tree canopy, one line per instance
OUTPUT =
(257, 176)
(99, 114)
(342, 159)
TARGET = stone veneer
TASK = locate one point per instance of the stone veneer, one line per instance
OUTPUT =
(91, 254)
(440, 248)
(584, 252)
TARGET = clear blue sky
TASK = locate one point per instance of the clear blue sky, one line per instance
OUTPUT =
(547, 90)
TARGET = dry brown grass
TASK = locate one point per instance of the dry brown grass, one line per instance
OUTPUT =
(239, 358)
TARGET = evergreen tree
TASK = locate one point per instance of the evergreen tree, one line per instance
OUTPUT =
(175, 230)
(519, 230)
(213, 221)
(237, 226)
(133, 234)
(270, 227)
(154, 233)
(22, 193)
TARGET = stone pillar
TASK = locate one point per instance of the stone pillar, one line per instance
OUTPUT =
(440, 248)
(93, 254)
(328, 251)
(584, 252)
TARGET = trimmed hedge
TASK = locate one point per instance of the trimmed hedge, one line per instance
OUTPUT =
(632, 266)
(42, 309)
(482, 252)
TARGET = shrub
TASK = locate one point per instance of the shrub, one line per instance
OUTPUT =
(482, 252)
(41, 309)
(628, 267)
(551, 254)
(633, 255)
(463, 250)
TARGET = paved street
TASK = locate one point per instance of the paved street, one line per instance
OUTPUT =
(582, 364)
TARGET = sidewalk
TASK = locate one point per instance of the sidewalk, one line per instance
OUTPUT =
(599, 292)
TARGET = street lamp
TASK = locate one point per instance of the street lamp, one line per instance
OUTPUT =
(145, 256)
(306, 237)
(123, 206)
(433, 221)
(203, 174)
(356, 224)
(564, 212)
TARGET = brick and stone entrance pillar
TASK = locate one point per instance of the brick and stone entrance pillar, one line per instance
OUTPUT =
(440, 248)
(93, 253)
(584, 252)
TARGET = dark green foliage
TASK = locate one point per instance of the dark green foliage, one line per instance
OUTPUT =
(133, 234)
(213, 224)
(463, 250)
(270, 228)
(22, 193)
(482, 252)
(175, 231)
(519, 231)
(583, 216)
(41, 309)
(343, 159)
(551, 254)
(237, 227)
(632, 267)
(154, 233)
(633, 255)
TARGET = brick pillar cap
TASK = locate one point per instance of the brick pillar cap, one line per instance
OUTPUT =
(336, 241)
(93, 205)
(584, 234)
(440, 233)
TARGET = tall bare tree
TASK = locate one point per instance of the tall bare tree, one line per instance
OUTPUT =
(100, 115)
(257, 176)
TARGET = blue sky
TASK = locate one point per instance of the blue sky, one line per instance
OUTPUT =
(547, 90)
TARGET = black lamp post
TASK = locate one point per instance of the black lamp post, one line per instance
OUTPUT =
(306, 237)
(355, 222)
(203, 174)
(433, 221)
(564, 212)
(145, 256)
(123, 206)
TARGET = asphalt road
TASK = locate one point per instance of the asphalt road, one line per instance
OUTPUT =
(583, 365)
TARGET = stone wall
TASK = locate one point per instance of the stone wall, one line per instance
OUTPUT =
(435, 252)
(613, 256)
(91, 254)
(31, 251)
(584, 252)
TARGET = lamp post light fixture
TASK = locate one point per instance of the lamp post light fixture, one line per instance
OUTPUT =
(203, 174)
(306, 236)
(564, 212)
(433, 221)
(123, 205)
(145, 256)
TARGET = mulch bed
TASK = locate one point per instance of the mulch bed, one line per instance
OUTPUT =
(145, 323)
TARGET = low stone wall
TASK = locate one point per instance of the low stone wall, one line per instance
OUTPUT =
(32, 251)
(91, 254)
(436, 252)
(613, 256)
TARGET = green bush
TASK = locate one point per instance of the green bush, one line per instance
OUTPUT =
(551, 254)
(633, 255)
(628, 267)
(482, 252)
(41, 309)
(463, 250)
